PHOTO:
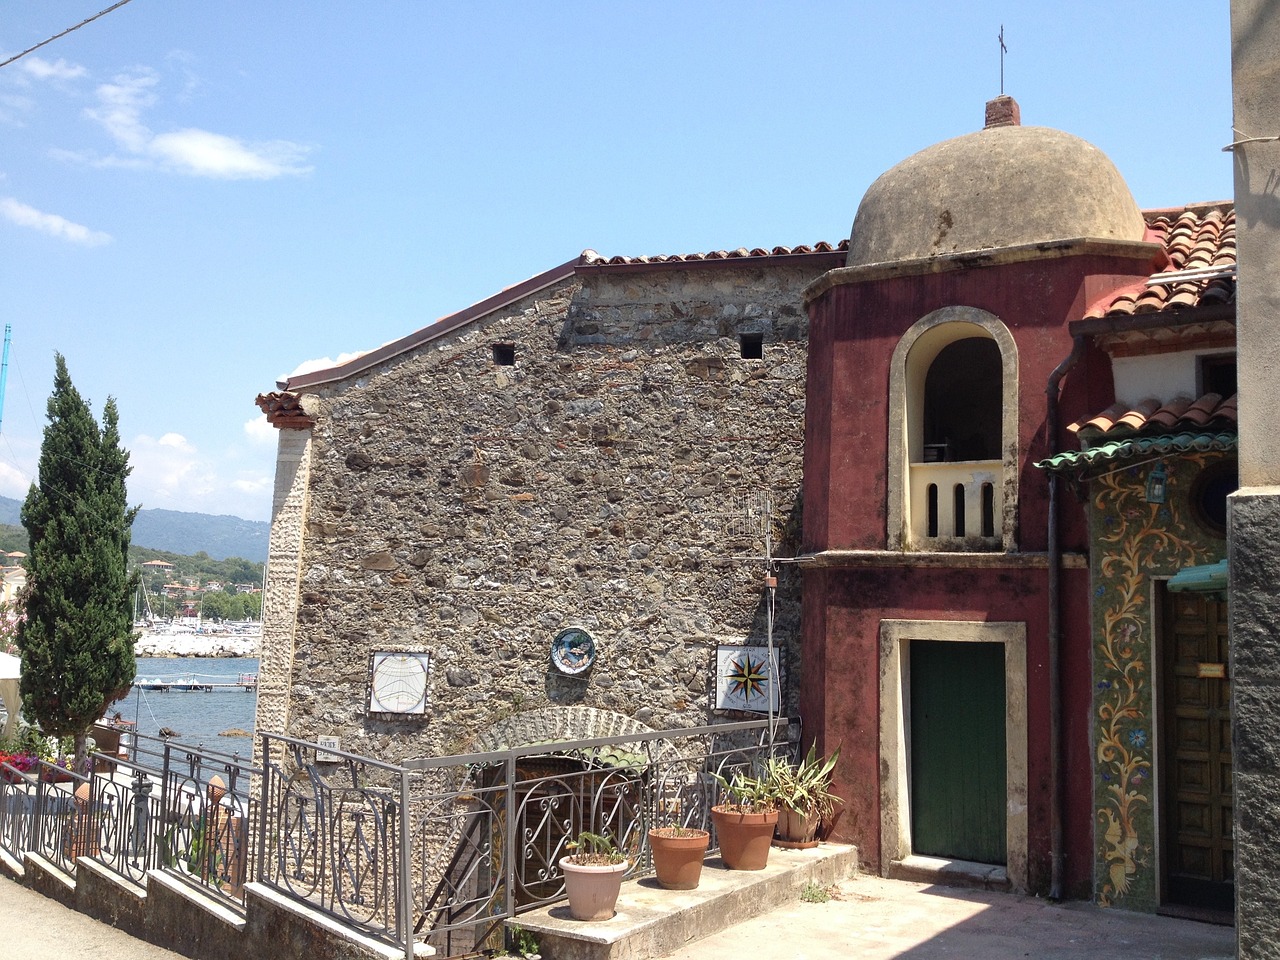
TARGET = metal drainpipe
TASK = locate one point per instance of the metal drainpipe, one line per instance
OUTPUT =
(1056, 779)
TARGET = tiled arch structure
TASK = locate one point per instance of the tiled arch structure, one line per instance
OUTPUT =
(552, 725)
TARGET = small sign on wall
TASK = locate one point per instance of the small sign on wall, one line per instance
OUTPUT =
(326, 744)
(747, 679)
(398, 683)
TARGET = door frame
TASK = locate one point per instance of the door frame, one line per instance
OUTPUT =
(895, 743)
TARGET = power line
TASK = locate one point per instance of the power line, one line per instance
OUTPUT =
(58, 36)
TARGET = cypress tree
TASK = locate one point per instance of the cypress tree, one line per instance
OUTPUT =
(76, 641)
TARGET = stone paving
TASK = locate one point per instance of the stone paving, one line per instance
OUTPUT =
(874, 919)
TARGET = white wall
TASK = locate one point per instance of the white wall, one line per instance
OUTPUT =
(1162, 376)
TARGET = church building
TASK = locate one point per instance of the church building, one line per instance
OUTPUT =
(954, 488)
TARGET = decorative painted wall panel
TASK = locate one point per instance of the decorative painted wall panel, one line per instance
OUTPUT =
(1134, 542)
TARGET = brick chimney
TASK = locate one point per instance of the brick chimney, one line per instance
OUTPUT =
(1003, 112)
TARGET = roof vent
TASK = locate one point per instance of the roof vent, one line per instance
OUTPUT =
(1003, 112)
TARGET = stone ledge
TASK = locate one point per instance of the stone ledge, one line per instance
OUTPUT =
(951, 873)
(47, 878)
(279, 926)
(11, 868)
(946, 559)
(653, 922)
(105, 895)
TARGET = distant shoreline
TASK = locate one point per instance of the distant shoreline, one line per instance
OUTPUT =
(196, 645)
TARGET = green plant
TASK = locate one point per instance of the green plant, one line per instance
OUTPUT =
(524, 943)
(747, 793)
(594, 849)
(814, 893)
(804, 786)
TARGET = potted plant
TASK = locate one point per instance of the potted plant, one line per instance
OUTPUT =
(745, 821)
(593, 876)
(678, 853)
(803, 792)
(678, 849)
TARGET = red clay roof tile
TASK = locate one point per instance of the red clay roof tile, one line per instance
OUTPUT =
(1150, 416)
(590, 257)
(1195, 238)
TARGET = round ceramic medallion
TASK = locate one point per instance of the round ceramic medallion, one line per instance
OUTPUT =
(573, 651)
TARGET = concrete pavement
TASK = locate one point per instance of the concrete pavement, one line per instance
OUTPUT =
(874, 919)
(869, 918)
(33, 927)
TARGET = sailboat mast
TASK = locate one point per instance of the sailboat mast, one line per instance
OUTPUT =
(4, 368)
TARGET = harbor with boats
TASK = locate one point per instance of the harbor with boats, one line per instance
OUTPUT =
(211, 701)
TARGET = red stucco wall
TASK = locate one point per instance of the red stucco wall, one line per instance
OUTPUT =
(854, 329)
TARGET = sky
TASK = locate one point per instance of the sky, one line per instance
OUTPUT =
(198, 197)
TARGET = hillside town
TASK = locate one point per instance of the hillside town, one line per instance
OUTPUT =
(652, 594)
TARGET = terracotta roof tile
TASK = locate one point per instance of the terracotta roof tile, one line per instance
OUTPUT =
(591, 258)
(1151, 417)
(1195, 238)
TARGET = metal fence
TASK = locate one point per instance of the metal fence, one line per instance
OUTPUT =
(439, 850)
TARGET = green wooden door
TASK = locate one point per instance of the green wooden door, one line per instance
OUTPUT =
(958, 775)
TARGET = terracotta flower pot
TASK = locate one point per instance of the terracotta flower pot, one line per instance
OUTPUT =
(592, 890)
(677, 860)
(797, 826)
(744, 837)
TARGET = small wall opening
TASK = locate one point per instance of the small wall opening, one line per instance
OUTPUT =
(504, 354)
(988, 510)
(957, 495)
(751, 345)
(962, 400)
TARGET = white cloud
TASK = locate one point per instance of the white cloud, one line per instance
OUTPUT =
(15, 482)
(260, 432)
(171, 472)
(55, 226)
(192, 151)
(255, 485)
(323, 363)
(120, 109)
(58, 69)
(206, 154)
(168, 472)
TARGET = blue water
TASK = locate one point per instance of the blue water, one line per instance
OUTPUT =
(196, 716)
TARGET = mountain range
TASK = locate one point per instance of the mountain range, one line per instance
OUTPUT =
(176, 531)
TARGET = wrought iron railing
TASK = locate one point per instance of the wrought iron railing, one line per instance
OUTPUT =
(18, 821)
(440, 850)
(489, 829)
(207, 816)
(334, 837)
(127, 796)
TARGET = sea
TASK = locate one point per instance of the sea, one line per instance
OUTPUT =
(221, 719)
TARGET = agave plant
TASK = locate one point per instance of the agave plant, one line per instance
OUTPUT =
(804, 786)
(747, 793)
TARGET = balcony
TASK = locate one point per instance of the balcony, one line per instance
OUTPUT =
(955, 506)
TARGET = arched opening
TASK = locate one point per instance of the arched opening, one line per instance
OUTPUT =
(953, 422)
(962, 408)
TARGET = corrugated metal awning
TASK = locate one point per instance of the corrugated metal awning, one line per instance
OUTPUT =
(1202, 579)
(1138, 448)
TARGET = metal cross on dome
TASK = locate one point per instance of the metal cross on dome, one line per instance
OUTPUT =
(1003, 51)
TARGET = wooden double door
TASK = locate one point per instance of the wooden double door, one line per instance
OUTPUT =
(1198, 868)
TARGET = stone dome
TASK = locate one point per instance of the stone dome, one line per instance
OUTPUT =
(999, 187)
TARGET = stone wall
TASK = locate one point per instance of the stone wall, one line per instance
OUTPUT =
(1255, 508)
(472, 510)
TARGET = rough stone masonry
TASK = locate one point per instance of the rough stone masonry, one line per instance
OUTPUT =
(463, 505)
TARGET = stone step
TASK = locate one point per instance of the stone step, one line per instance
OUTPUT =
(653, 922)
